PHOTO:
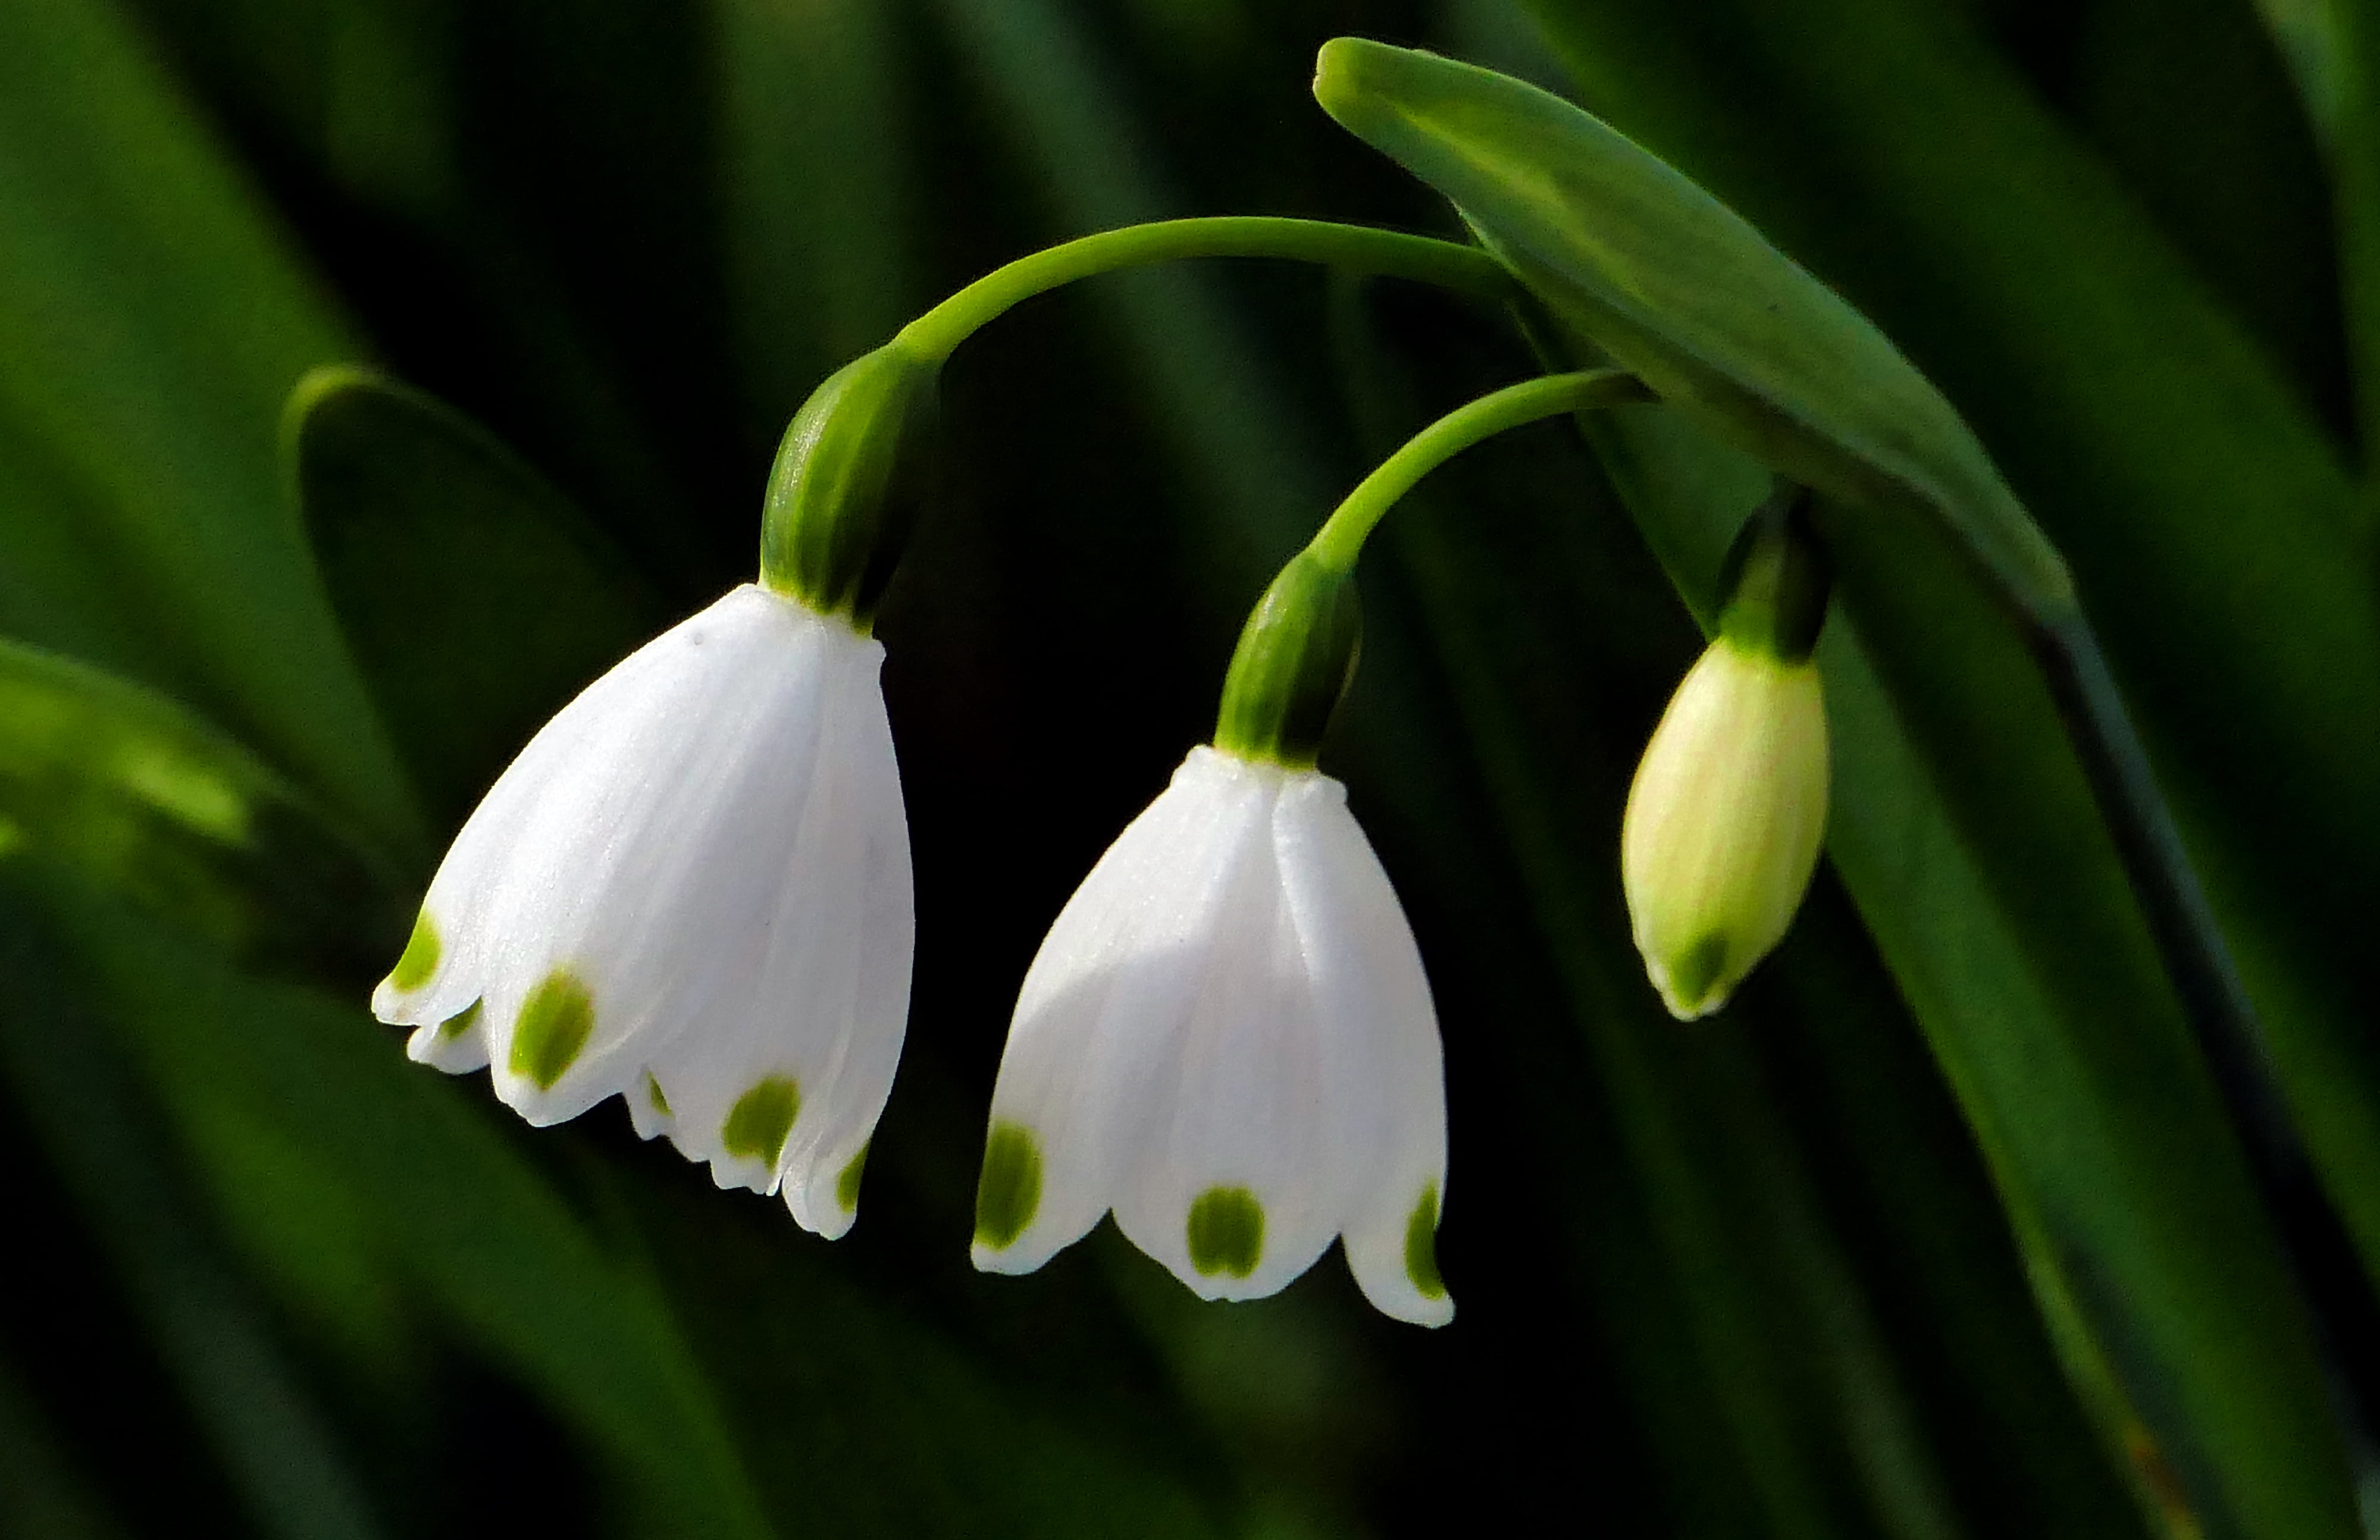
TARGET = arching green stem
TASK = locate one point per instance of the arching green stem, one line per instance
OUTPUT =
(1297, 652)
(934, 336)
(1341, 540)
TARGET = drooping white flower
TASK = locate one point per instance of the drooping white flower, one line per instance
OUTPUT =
(1228, 1040)
(1724, 823)
(691, 889)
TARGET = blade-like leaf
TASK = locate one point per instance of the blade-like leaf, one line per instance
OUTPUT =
(141, 795)
(1677, 287)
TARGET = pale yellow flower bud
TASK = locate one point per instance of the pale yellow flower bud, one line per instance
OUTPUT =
(1724, 821)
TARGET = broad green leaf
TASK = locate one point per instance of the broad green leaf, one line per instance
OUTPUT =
(1677, 287)
(473, 596)
(150, 321)
(455, 1212)
(141, 795)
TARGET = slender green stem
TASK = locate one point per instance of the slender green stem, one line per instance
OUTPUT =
(1385, 252)
(1341, 539)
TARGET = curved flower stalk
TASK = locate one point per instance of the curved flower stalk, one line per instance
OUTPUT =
(691, 889)
(1729, 809)
(1227, 1039)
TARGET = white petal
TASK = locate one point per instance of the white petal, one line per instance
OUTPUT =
(455, 906)
(823, 1163)
(1383, 1067)
(1234, 1192)
(454, 1045)
(635, 881)
(648, 1109)
(761, 1077)
(1090, 1064)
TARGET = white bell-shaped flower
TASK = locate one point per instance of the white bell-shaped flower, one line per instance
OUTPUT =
(691, 889)
(1228, 1040)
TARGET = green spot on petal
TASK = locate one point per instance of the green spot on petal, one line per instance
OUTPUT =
(1420, 1246)
(553, 1026)
(846, 1182)
(420, 959)
(1009, 1192)
(460, 1021)
(1697, 969)
(1226, 1231)
(653, 1095)
(757, 1124)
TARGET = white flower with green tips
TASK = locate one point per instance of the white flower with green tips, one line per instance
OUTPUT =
(1728, 811)
(691, 890)
(1228, 1040)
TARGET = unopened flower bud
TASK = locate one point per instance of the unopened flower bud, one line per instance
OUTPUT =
(1729, 808)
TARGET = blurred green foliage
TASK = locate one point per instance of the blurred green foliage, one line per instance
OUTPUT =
(1863, 1255)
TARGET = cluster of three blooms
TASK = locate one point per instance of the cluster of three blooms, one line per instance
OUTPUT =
(692, 891)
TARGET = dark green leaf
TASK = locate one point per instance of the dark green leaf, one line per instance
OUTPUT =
(1677, 287)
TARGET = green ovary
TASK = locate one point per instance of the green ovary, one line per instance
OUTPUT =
(1226, 1231)
(760, 1120)
(1009, 1192)
(553, 1025)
